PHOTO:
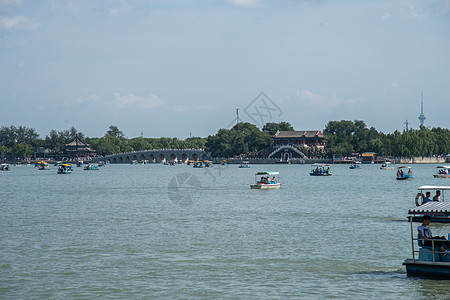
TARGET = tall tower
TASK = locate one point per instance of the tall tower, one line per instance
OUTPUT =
(422, 116)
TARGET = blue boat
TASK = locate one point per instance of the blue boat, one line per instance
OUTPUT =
(404, 173)
(245, 164)
(90, 167)
(320, 170)
(355, 165)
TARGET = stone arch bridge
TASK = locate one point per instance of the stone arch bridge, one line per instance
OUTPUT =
(156, 156)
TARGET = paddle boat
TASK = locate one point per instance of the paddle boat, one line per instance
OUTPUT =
(198, 164)
(79, 163)
(266, 180)
(434, 205)
(42, 165)
(426, 261)
(5, 167)
(65, 169)
(245, 164)
(442, 172)
(101, 164)
(208, 164)
(189, 162)
(404, 173)
(90, 167)
(386, 166)
(224, 162)
(320, 170)
(355, 165)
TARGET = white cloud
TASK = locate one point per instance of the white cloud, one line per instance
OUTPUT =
(386, 16)
(133, 101)
(318, 101)
(124, 7)
(90, 98)
(18, 22)
(247, 3)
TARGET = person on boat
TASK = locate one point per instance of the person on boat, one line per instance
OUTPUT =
(437, 196)
(426, 198)
(426, 236)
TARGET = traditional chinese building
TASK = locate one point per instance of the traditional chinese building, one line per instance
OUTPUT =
(78, 149)
(307, 138)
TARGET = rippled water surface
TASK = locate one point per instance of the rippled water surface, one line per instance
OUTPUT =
(175, 232)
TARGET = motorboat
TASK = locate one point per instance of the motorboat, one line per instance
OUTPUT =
(266, 180)
(427, 261)
(320, 170)
(5, 167)
(435, 205)
(224, 162)
(355, 165)
(65, 169)
(90, 167)
(245, 164)
(442, 172)
(404, 172)
(386, 166)
(208, 164)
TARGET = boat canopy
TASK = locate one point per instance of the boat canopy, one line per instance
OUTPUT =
(245, 162)
(320, 165)
(434, 187)
(402, 167)
(443, 167)
(431, 207)
(66, 165)
(267, 173)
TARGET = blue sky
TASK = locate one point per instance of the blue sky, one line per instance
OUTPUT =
(181, 67)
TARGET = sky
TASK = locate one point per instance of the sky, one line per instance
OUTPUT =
(180, 68)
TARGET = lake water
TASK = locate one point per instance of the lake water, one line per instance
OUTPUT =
(175, 232)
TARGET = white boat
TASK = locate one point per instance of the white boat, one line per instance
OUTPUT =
(320, 170)
(65, 169)
(245, 164)
(355, 165)
(266, 180)
(426, 261)
(386, 166)
(435, 206)
(442, 172)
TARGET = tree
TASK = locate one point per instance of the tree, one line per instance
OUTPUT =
(21, 150)
(272, 128)
(114, 131)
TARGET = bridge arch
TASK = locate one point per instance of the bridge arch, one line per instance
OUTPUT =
(151, 158)
(194, 156)
(120, 159)
(127, 159)
(184, 157)
(172, 157)
(114, 160)
(142, 157)
(161, 158)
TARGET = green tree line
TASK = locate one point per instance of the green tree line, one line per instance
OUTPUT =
(342, 137)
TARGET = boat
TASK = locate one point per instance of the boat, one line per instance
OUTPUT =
(208, 164)
(189, 163)
(320, 170)
(198, 164)
(42, 165)
(101, 164)
(5, 167)
(224, 162)
(264, 181)
(79, 164)
(65, 169)
(245, 164)
(386, 166)
(442, 172)
(90, 167)
(404, 172)
(355, 165)
(436, 207)
(430, 261)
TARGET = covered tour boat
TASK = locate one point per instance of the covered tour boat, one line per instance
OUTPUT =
(320, 170)
(198, 164)
(5, 167)
(404, 173)
(427, 261)
(355, 165)
(266, 180)
(42, 165)
(434, 205)
(65, 169)
(386, 166)
(442, 172)
(90, 167)
(245, 164)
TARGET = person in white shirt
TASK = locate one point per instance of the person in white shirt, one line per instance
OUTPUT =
(426, 236)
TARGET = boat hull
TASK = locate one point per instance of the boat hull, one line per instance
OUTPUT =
(313, 174)
(441, 175)
(427, 269)
(265, 186)
(403, 178)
